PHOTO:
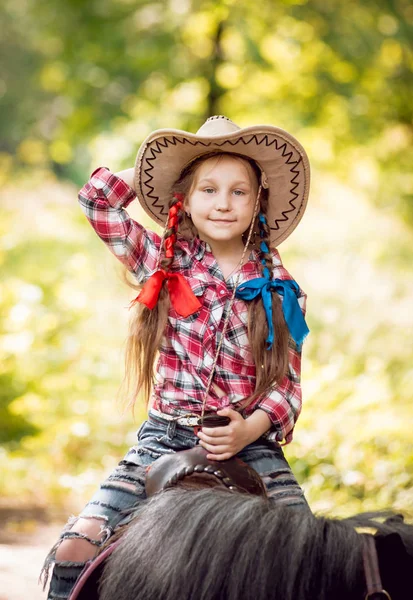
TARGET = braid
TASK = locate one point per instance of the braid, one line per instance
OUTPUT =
(265, 255)
(271, 363)
(171, 230)
(149, 324)
(267, 270)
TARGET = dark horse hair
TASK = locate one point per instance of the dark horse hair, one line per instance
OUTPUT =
(214, 545)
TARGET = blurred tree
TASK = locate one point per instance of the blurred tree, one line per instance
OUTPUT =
(340, 71)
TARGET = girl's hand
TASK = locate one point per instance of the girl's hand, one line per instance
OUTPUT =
(128, 176)
(224, 442)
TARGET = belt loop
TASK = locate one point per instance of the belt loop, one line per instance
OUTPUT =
(170, 432)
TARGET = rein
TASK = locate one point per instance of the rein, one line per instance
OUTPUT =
(371, 569)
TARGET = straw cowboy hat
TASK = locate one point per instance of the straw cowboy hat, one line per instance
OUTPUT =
(284, 165)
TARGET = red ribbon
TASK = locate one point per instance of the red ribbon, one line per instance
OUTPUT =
(172, 224)
(182, 297)
(169, 246)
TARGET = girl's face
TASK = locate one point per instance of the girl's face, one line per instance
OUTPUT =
(221, 200)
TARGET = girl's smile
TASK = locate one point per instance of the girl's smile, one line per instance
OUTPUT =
(222, 221)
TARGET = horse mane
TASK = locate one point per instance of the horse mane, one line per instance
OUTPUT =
(213, 545)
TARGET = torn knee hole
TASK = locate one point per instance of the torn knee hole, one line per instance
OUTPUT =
(77, 548)
(124, 485)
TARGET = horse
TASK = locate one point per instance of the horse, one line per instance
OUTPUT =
(217, 543)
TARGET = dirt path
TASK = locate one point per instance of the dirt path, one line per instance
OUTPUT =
(21, 558)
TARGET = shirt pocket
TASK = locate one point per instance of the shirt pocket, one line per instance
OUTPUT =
(239, 325)
(198, 286)
(237, 356)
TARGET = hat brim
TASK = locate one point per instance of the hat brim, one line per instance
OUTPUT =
(165, 152)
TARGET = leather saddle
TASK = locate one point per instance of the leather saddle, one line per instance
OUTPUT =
(190, 469)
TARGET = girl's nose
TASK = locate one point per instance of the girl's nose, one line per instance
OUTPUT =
(223, 201)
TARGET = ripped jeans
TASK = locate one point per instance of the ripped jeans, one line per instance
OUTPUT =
(113, 503)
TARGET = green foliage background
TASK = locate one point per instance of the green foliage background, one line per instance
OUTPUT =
(81, 85)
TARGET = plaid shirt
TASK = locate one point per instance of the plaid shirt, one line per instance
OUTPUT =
(189, 345)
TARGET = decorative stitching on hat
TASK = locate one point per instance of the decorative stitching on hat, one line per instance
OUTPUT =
(161, 143)
(285, 212)
(154, 152)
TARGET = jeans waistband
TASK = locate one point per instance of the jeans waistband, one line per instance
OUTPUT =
(189, 421)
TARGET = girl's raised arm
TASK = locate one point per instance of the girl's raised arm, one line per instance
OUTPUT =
(127, 176)
(103, 200)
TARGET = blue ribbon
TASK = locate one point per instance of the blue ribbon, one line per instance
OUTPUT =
(289, 290)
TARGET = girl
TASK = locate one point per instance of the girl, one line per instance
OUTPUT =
(215, 301)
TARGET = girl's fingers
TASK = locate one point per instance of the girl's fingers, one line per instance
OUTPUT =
(219, 456)
(216, 431)
(215, 441)
(215, 449)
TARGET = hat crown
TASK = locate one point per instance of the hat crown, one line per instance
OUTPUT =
(217, 125)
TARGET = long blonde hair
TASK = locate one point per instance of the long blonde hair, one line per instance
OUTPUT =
(147, 327)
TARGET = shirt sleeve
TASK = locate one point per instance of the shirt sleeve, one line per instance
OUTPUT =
(284, 401)
(103, 200)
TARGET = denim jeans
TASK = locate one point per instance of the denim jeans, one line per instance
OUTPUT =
(113, 503)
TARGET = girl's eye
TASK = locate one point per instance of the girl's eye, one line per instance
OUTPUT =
(239, 193)
(209, 190)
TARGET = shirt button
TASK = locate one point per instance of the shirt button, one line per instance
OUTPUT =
(222, 292)
(212, 328)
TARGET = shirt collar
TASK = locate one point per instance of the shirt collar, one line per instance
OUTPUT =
(200, 247)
